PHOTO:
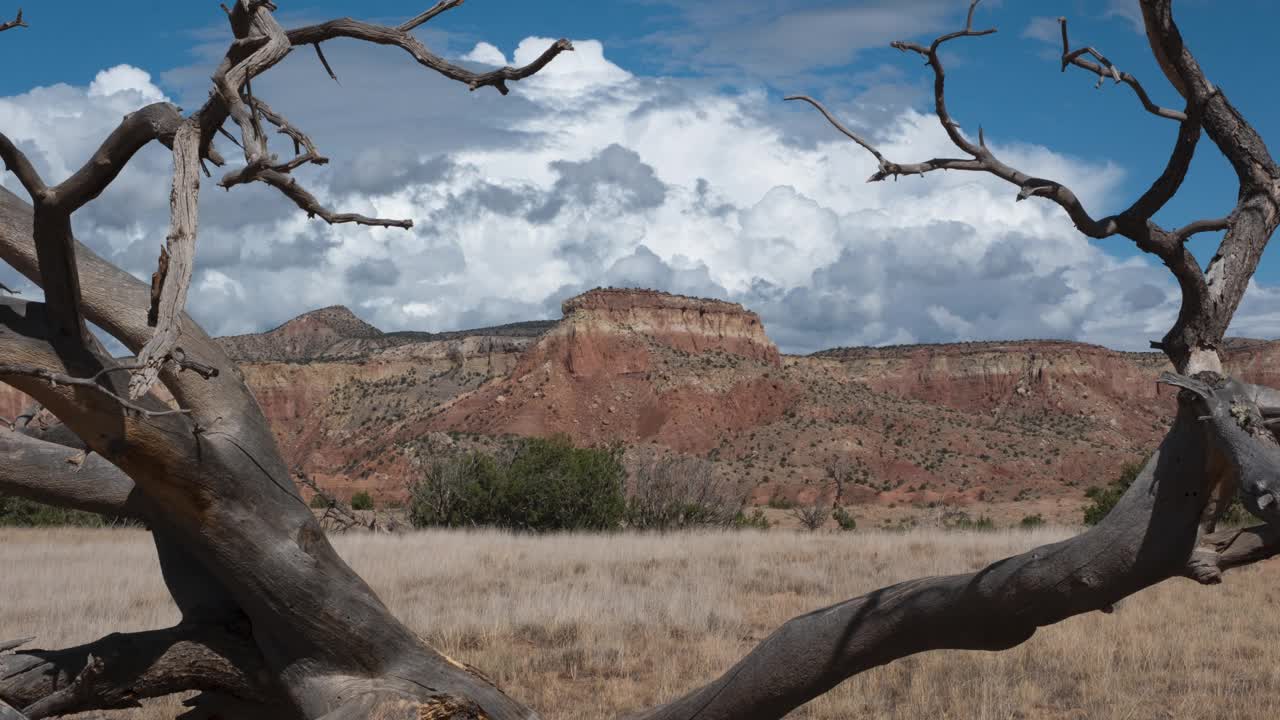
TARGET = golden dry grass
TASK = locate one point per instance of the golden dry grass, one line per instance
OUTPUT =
(586, 627)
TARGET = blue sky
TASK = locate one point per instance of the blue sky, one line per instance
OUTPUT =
(683, 58)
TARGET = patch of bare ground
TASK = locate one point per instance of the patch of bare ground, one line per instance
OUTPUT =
(589, 627)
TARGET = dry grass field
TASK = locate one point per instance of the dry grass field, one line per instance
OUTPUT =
(587, 626)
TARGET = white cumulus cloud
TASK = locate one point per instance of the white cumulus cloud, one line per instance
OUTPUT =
(588, 175)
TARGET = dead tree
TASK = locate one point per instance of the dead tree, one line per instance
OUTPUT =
(275, 625)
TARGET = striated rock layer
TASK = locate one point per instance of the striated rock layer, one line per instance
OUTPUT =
(1027, 422)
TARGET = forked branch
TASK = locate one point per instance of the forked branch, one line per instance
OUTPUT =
(14, 23)
(1208, 297)
(94, 383)
(260, 44)
(403, 38)
(1106, 70)
(119, 670)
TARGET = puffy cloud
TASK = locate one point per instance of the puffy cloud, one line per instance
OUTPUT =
(125, 79)
(572, 74)
(614, 178)
(587, 176)
(486, 54)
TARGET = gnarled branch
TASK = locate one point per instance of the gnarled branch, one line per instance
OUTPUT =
(1209, 297)
(65, 477)
(120, 670)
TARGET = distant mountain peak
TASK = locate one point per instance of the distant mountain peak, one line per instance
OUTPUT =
(338, 318)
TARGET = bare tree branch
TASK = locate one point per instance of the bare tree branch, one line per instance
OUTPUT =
(16, 162)
(177, 260)
(1207, 301)
(121, 669)
(1230, 549)
(1003, 604)
(325, 62)
(57, 378)
(310, 205)
(1107, 70)
(1185, 232)
(403, 39)
(982, 158)
(54, 207)
(442, 6)
(66, 477)
(14, 23)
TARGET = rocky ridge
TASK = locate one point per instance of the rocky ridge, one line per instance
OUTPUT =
(1023, 424)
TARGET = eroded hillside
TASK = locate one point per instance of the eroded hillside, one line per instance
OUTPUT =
(1032, 423)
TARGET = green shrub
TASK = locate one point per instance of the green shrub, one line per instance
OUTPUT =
(1032, 521)
(361, 501)
(755, 521)
(20, 512)
(844, 519)
(318, 502)
(545, 485)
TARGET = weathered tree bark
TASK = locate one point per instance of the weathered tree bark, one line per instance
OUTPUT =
(276, 625)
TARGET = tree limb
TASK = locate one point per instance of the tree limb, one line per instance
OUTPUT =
(308, 203)
(117, 302)
(1150, 536)
(442, 6)
(16, 162)
(403, 39)
(981, 157)
(1209, 297)
(65, 477)
(1107, 70)
(119, 670)
(156, 122)
(55, 205)
(14, 23)
(1185, 232)
(177, 260)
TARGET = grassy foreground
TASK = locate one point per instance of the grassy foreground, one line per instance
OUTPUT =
(589, 626)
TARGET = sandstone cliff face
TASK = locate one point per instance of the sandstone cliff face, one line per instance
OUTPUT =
(600, 323)
(636, 366)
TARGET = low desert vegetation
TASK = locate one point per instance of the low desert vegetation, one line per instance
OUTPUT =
(589, 627)
(362, 501)
(549, 485)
